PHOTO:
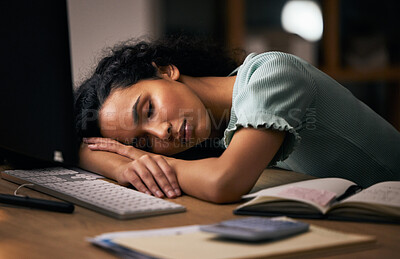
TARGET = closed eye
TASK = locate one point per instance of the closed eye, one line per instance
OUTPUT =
(150, 110)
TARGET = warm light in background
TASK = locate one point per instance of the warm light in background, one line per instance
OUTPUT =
(303, 18)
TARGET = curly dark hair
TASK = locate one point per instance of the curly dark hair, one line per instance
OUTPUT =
(130, 62)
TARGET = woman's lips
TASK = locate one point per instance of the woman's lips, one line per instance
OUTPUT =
(185, 132)
(182, 131)
(188, 132)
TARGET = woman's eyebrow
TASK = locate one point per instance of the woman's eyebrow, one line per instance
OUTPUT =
(135, 114)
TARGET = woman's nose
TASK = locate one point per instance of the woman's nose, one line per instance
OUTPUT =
(161, 130)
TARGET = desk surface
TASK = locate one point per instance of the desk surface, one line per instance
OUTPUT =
(40, 234)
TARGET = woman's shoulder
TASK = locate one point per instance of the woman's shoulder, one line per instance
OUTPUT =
(273, 68)
(272, 62)
(270, 56)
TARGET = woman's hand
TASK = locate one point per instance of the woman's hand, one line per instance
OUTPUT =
(110, 145)
(147, 172)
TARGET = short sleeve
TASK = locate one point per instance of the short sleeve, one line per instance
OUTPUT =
(272, 91)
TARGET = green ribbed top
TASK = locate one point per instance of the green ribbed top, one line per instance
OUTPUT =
(330, 133)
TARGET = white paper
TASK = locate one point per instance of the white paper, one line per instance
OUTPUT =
(386, 193)
(150, 232)
(335, 185)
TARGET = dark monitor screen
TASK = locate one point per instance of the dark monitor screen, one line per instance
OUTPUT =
(36, 90)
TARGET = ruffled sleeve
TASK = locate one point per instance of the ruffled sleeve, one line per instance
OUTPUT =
(272, 91)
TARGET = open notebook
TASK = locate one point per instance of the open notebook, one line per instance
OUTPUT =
(332, 198)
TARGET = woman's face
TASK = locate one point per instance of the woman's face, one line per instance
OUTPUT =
(162, 116)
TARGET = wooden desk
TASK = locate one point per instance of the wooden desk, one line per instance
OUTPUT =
(26, 233)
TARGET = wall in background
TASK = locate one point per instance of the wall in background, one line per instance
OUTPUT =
(98, 24)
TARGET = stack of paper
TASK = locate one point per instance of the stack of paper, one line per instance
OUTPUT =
(190, 242)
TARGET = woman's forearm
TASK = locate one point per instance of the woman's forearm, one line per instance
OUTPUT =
(101, 162)
(234, 173)
(209, 179)
(190, 180)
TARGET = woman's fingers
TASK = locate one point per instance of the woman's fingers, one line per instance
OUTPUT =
(159, 173)
(147, 178)
(152, 176)
(120, 149)
(131, 177)
(98, 140)
(169, 173)
(105, 144)
(109, 145)
(147, 173)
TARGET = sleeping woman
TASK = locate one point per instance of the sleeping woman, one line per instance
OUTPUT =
(148, 101)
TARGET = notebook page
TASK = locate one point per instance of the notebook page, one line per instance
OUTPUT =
(310, 191)
(337, 185)
(386, 193)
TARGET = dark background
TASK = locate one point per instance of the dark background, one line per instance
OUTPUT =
(368, 35)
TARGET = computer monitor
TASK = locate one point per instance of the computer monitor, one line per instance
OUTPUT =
(36, 89)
